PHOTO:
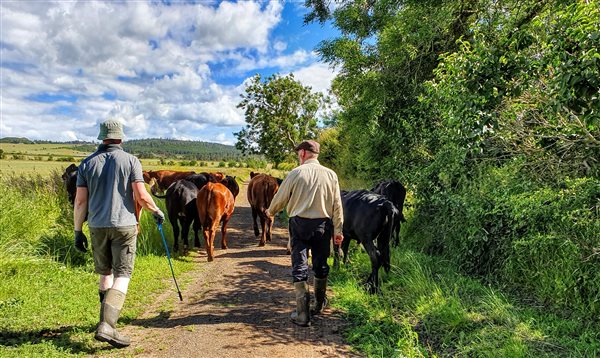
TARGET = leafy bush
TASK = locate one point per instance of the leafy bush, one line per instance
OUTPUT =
(537, 238)
(256, 163)
(287, 166)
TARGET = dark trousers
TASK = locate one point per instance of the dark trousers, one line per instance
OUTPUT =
(313, 234)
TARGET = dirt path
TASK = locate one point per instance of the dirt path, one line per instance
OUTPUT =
(236, 306)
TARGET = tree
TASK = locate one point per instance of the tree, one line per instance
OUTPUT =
(280, 113)
(385, 53)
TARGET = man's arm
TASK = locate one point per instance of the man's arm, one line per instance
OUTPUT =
(80, 210)
(81, 207)
(281, 198)
(338, 215)
(143, 197)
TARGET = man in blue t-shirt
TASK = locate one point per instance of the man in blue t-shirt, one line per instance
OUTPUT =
(108, 184)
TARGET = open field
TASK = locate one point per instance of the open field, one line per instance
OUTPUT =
(42, 149)
(33, 160)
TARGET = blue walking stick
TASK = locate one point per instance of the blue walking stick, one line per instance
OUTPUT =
(169, 257)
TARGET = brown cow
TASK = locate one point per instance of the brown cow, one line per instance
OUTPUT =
(217, 176)
(163, 178)
(215, 204)
(261, 190)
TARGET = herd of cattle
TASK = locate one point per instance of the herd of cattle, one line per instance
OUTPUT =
(205, 200)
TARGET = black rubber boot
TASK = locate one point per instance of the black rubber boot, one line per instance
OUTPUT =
(301, 316)
(320, 296)
(109, 313)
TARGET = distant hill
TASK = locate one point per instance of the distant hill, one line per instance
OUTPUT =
(16, 140)
(153, 148)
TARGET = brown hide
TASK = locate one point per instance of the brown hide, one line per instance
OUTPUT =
(164, 178)
(215, 204)
(261, 190)
(218, 176)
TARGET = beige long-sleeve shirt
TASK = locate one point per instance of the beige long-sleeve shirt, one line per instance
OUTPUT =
(311, 191)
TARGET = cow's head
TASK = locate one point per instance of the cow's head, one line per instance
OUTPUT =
(69, 172)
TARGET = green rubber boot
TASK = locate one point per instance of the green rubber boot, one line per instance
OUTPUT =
(301, 316)
(109, 313)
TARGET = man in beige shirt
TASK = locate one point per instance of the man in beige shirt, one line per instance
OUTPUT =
(311, 195)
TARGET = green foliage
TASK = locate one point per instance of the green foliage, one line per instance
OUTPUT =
(27, 197)
(48, 290)
(489, 112)
(427, 309)
(536, 238)
(188, 163)
(286, 167)
(280, 112)
(190, 150)
(16, 140)
(532, 91)
(256, 163)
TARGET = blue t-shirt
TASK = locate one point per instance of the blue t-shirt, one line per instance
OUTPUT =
(108, 175)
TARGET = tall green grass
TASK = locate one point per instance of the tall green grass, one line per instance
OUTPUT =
(538, 239)
(426, 308)
(48, 290)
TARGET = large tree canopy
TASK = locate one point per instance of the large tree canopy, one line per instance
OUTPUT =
(489, 111)
(280, 112)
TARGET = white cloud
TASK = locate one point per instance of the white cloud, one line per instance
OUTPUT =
(66, 66)
(317, 75)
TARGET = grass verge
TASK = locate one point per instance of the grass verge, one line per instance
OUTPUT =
(48, 309)
(426, 309)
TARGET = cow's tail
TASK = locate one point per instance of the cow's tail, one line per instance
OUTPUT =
(158, 196)
(385, 236)
(154, 187)
(268, 197)
(208, 207)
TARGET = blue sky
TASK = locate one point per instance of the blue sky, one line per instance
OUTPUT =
(166, 69)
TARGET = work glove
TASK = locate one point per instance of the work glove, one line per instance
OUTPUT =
(159, 217)
(81, 242)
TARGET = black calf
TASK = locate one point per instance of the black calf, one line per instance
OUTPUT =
(395, 192)
(180, 200)
(369, 219)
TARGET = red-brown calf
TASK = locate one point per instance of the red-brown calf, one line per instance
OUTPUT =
(163, 178)
(261, 190)
(215, 205)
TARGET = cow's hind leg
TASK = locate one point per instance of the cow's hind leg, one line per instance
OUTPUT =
(185, 231)
(254, 223)
(344, 248)
(269, 227)
(209, 236)
(175, 225)
(263, 225)
(373, 279)
(224, 233)
(196, 226)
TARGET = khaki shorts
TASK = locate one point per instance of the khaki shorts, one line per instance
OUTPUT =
(114, 250)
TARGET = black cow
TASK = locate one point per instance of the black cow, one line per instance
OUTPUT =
(69, 178)
(369, 219)
(395, 192)
(180, 200)
(231, 184)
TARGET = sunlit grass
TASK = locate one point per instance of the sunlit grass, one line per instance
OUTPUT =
(48, 290)
(426, 309)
